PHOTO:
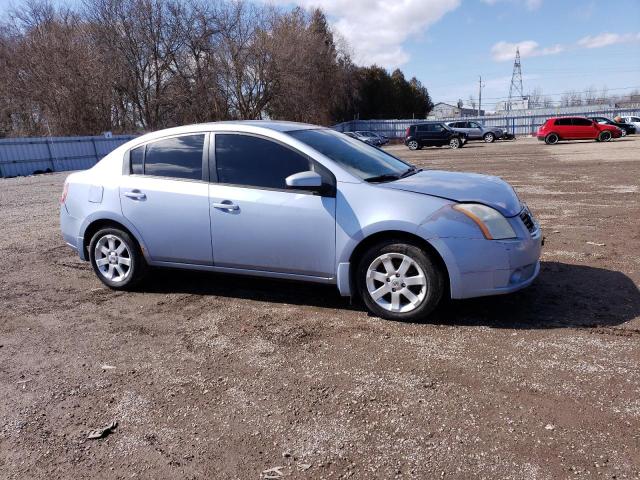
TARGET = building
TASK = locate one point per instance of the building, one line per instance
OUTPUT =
(444, 110)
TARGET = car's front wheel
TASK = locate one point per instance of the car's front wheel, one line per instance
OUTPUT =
(413, 145)
(455, 143)
(623, 133)
(489, 137)
(604, 136)
(116, 258)
(399, 281)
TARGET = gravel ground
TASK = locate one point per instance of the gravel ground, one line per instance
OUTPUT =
(213, 376)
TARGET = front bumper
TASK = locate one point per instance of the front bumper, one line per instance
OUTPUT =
(479, 267)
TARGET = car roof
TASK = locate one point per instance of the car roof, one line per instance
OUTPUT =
(249, 126)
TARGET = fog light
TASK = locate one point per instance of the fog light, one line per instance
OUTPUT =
(516, 276)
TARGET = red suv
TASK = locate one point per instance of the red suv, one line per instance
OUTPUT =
(576, 128)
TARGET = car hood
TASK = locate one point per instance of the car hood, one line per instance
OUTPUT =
(462, 187)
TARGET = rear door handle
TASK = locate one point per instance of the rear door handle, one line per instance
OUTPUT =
(135, 195)
(225, 205)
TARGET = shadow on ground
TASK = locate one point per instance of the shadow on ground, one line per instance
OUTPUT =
(563, 296)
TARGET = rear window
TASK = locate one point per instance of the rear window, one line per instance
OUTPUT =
(582, 122)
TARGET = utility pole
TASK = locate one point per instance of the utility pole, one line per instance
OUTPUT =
(480, 87)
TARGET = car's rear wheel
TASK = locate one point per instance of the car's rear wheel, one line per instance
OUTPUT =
(623, 133)
(116, 258)
(604, 136)
(455, 143)
(399, 281)
(489, 137)
(551, 139)
(413, 145)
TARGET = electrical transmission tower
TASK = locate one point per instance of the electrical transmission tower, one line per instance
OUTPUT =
(515, 90)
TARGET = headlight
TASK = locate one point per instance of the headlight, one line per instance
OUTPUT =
(492, 223)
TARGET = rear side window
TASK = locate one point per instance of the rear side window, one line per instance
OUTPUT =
(256, 162)
(137, 160)
(563, 121)
(178, 157)
(582, 122)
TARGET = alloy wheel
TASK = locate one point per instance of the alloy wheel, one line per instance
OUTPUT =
(396, 282)
(454, 143)
(113, 258)
(413, 145)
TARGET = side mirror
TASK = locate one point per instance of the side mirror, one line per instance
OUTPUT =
(304, 180)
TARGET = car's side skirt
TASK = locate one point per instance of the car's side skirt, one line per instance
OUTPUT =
(249, 272)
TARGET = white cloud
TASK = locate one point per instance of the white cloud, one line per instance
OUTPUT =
(505, 51)
(377, 29)
(530, 4)
(606, 39)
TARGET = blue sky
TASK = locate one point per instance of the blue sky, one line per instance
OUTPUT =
(565, 44)
(447, 44)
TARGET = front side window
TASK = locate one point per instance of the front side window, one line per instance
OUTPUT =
(474, 125)
(258, 162)
(358, 158)
(563, 121)
(177, 157)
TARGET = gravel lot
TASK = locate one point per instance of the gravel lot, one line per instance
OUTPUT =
(219, 377)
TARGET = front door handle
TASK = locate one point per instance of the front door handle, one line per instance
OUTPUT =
(226, 205)
(135, 195)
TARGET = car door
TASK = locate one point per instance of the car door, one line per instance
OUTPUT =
(564, 128)
(474, 130)
(583, 128)
(165, 196)
(257, 223)
(439, 134)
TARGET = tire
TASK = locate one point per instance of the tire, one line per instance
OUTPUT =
(623, 133)
(489, 137)
(381, 267)
(413, 145)
(109, 252)
(455, 143)
(551, 139)
(604, 136)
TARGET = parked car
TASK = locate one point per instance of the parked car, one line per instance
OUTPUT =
(635, 121)
(379, 139)
(477, 131)
(433, 134)
(363, 138)
(627, 128)
(301, 202)
(576, 128)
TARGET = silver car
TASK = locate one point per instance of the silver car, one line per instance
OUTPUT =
(295, 201)
(477, 131)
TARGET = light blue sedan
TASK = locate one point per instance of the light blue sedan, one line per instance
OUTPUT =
(295, 201)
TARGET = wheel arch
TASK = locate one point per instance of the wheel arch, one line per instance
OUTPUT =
(380, 236)
(96, 224)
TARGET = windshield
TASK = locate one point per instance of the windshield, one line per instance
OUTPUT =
(360, 159)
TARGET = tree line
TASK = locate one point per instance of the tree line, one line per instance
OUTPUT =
(137, 65)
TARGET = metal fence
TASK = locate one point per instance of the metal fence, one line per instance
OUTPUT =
(25, 156)
(516, 124)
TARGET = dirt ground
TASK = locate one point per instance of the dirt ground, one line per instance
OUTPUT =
(222, 377)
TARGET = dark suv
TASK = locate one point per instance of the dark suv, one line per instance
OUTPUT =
(435, 134)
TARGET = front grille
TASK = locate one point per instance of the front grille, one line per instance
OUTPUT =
(527, 219)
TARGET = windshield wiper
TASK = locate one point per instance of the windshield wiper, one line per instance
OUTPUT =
(385, 177)
(411, 171)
